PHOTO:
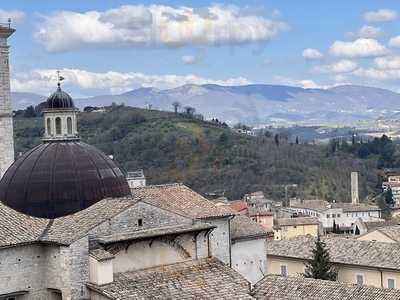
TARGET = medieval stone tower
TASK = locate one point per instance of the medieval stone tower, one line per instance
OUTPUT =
(6, 123)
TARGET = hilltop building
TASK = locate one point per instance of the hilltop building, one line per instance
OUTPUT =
(286, 228)
(338, 217)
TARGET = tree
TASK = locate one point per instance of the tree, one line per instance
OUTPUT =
(297, 140)
(176, 106)
(189, 110)
(320, 267)
(29, 112)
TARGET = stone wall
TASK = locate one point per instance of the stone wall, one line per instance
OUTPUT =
(128, 220)
(220, 239)
(6, 125)
(249, 258)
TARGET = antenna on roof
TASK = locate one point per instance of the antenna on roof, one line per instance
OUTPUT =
(59, 78)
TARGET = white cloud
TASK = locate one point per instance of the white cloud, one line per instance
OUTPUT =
(304, 83)
(381, 15)
(312, 54)
(388, 63)
(361, 47)
(378, 74)
(370, 32)
(189, 59)
(154, 26)
(16, 16)
(395, 42)
(342, 66)
(42, 81)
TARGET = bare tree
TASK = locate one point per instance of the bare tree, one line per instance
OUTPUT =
(176, 106)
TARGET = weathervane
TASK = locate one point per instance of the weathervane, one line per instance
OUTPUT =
(59, 78)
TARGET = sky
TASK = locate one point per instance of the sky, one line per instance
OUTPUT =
(110, 47)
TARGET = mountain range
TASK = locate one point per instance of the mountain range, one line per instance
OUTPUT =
(255, 104)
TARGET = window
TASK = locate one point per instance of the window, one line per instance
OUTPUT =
(360, 279)
(338, 215)
(140, 222)
(48, 125)
(69, 125)
(328, 215)
(391, 283)
(333, 216)
(284, 271)
(58, 125)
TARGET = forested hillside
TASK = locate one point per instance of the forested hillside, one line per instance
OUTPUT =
(209, 157)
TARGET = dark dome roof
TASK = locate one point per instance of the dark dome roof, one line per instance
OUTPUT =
(60, 99)
(57, 179)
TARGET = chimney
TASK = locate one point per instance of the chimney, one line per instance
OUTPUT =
(354, 188)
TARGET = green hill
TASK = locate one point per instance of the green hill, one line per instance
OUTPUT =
(208, 156)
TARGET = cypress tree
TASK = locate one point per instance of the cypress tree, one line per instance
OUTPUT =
(319, 267)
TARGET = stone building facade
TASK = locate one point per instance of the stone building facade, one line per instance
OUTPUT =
(6, 124)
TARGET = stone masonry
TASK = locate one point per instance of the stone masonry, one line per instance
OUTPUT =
(6, 124)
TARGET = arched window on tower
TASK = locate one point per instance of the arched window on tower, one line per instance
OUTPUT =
(58, 125)
(48, 125)
(69, 125)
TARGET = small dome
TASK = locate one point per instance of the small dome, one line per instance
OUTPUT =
(60, 99)
(61, 178)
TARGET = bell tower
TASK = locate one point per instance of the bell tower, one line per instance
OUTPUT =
(6, 121)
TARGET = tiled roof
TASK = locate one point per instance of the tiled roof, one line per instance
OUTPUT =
(297, 221)
(199, 279)
(377, 224)
(274, 287)
(154, 232)
(238, 205)
(244, 227)
(392, 232)
(17, 228)
(259, 211)
(341, 250)
(180, 199)
(100, 254)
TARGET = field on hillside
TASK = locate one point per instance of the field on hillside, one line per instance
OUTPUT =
(210, 157)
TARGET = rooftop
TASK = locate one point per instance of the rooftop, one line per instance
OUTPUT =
(17, 228)
(243, 227)
(154, 232)
(100, 254)
(198, 279)
(274, 287)
(341, 250)
(393, 232)
(238, 205)
(297, 221)
(180, 199)
(320, 205)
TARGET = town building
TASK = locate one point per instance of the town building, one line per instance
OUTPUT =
(248, 248)
(388, 234)
(359, 262)
(361, 227)
(285, 228)
(391, 181)
(338, 217)
(136, 179)
(274, 287)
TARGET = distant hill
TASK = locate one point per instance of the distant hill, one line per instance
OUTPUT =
(258, 103)
(208, 156)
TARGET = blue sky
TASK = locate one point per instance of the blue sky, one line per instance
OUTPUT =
(107, 47)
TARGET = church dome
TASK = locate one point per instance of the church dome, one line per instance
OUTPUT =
(60, 99)
(59, 178)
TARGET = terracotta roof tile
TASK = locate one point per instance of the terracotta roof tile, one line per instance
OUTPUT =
(180, 199)
(244, 227)
(341, 250)
(274, 287)
(199, 279)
